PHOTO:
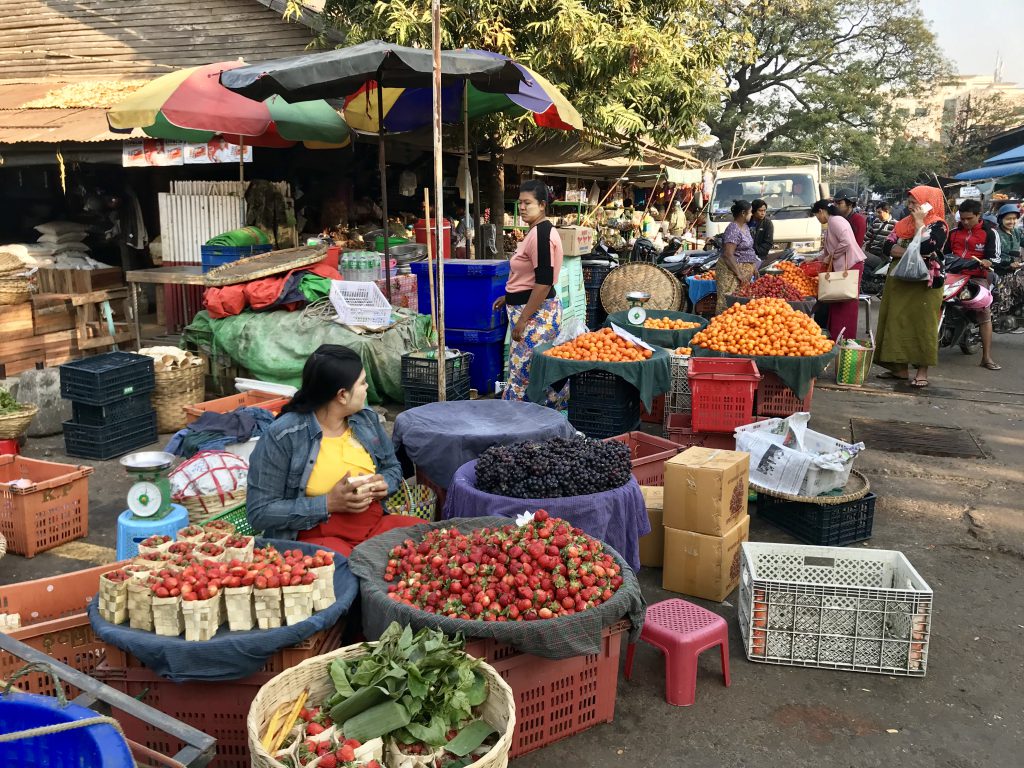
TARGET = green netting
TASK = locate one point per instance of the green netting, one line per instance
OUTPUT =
(274, 346)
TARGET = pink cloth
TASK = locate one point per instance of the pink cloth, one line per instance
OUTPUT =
(523, 264)
(841, 246)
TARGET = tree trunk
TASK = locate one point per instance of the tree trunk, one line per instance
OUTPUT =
(494, 191)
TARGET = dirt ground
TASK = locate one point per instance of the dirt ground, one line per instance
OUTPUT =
(959, 521)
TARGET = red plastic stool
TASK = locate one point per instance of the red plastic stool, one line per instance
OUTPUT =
(682, 631)
(9, 448)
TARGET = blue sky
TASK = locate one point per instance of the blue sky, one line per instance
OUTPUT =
(970, 33)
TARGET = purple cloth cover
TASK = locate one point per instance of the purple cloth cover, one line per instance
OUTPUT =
(617, 517)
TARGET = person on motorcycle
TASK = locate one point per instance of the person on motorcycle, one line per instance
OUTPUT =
(846, 203)
(1009, 293)
(975, 244)
(761, 229)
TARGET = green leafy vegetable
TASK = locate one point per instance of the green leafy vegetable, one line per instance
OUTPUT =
(469, 738)
(376, 721)
(8, 404)
(363, 699)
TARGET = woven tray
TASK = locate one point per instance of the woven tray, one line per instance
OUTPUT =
(12, 425)
(264, 265)
(16, 290)
(666, 292)
(857, 487)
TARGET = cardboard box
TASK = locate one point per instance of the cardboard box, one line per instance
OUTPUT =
(652, 546)
(706, 490)
(703, 566)
(576, 241)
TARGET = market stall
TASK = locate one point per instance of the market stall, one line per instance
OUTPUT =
(662, 328)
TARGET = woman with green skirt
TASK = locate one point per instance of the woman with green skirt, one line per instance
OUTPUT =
(908, 321)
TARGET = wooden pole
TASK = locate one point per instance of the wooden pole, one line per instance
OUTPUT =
(382, 163)
(470, 244)
(430, 260)
(442, 358)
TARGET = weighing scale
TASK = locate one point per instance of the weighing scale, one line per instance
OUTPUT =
(637, 314)
(150, 509)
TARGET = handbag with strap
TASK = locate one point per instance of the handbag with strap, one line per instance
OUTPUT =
(838, 286)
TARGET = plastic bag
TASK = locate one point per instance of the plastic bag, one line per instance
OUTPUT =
(570, 329)
(911, 266)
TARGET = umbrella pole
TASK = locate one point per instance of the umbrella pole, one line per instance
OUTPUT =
(382, 163)
(435, 12)
(470, 244)
(430, 260)
(478, 240)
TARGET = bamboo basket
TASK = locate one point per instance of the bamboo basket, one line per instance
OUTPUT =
(666, 291)
(145, 549)
(140, 606)
(242, 554)
(323, 587)
(167, 618)
(176, 389)
(201, 618)
(267, 606)
(239, 607)
(297, 603)
(209, 505)
(15, 290)
(14, 424)
(10, 263)
(113, 600)
(313, 675)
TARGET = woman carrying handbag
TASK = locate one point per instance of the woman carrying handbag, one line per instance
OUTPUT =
(839, 280)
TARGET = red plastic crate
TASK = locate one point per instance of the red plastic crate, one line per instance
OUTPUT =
(556, 699)
(657, 412)
(680, 430)
(648, 454)
(252, 399)
(774, 398)
(722, 392)
(54, 622)
(217, 708)
(52, 511)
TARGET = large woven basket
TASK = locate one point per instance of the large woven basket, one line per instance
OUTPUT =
(412, 501)
(210, 505)
(666, 291)
(16, 290)
(10, 263)
(176, 389)
(12, 425)
(313, 675)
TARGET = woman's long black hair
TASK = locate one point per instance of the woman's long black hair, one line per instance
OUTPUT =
(538, 189)
(331, 368)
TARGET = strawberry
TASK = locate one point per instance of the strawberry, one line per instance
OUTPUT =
(330, 760)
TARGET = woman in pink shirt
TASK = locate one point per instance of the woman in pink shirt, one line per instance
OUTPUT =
(841, 253)
(534, 311)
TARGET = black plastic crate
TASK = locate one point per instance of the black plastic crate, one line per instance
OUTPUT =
(602, 421)
(105, 379)
(418, 371)
(108, 442)
(455, 390)
(600, 388)
(594, 274)
(112, 414)
(824, 525)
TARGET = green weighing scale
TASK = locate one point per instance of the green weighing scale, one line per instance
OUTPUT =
(149, 498)
(637, 315)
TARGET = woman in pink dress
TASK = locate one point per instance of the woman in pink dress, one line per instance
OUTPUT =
(840, 253)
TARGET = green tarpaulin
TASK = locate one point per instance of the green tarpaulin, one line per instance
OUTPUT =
(274, 346)
(655, 336)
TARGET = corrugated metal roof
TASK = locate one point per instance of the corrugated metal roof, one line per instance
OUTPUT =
(48, 126)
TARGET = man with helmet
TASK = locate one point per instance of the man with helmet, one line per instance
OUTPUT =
(975, 244)
(1009, 293)
(846, 203)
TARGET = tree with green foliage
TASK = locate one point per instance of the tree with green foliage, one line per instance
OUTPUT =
(632, 69)
(904, 163)
(824, 75)
(971, 124)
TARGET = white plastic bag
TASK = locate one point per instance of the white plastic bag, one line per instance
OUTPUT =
(570, 329)
(911, 266)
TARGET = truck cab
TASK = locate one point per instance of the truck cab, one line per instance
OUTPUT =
(789, 190)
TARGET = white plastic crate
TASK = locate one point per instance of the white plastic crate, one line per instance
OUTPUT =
(678, 398)
(360, 304)
(863, 610)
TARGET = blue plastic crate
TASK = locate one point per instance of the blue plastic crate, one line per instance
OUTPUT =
(488, 350)
(470, 288)
(214, 256)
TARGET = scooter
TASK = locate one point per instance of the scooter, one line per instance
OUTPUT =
(960, 298)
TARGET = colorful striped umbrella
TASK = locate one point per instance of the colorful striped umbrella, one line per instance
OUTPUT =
(409, 109)
(191, 105)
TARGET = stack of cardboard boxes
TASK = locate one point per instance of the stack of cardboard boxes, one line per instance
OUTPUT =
(698, 521)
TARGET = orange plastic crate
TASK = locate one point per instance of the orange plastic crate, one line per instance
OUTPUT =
(559, 698)
(774, 398)
(648, 454)
(722, 392)
(54, 621)
(52, 511)
(271, 402)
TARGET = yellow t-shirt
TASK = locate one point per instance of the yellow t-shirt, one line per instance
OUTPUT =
(337, 456)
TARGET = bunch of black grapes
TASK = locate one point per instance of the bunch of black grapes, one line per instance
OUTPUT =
(553, 468)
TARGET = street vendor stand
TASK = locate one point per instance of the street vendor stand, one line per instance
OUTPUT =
(657, 336)
(617, 517)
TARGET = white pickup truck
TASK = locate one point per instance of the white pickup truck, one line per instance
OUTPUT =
(789, 190)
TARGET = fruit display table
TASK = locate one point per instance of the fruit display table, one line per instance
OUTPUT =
(806, 306)
(440, 437)
(657, 336)
(698, 289)
(651, 377)
(617, 517)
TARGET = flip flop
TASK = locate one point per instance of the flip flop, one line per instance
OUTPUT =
(991, 366)
(919, 383)
(891, 375)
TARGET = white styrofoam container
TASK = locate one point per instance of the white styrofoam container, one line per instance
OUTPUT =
(863, 610)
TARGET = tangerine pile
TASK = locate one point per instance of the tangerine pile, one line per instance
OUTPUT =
(765, 327)
(664, 324)
(796, 277)
(706, 276)
(603, 345)
(682, 351)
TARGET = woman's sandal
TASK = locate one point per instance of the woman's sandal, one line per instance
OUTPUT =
(919, 383)
(991, 366)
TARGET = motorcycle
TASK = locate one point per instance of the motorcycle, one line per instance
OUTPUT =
(960, 299)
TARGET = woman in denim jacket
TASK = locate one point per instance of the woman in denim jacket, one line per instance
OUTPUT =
(320, 472)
